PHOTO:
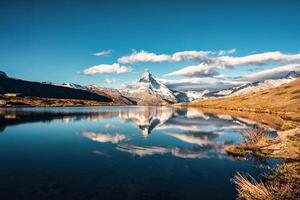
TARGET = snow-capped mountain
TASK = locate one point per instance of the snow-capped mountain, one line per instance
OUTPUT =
(257, 86)
(148, 90)
(189, 96)
(74, 86)
(68, 85)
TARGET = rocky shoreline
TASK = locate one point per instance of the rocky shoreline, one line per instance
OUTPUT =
(7, 102)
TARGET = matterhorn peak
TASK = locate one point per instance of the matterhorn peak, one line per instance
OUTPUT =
(148, 85)
(146, 73)
(146, 77)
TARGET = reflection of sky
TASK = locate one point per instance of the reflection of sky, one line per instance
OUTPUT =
(103, 151)
(144, 131)
(182, 133)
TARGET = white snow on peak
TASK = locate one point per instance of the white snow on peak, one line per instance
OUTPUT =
(148, 84)
(74, 86)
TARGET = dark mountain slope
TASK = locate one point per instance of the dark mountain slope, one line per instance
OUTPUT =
(36, 89)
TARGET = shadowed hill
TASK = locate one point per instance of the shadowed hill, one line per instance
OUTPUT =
(36, 89)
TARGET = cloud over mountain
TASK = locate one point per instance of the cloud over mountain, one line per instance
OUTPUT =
(210, 66)
(106, 69)
(272, 73)
(256, 59)
(111, 80)
(201, 70)
(144, 56)
(205, 72)
(103, 53)
(200, 84)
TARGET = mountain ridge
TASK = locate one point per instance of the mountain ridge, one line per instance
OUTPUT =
(37, 89)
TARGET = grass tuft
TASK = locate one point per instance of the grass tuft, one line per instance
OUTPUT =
(255, 136)
(248, 188)
(283, 184)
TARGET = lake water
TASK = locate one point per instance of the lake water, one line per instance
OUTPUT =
(119, 153)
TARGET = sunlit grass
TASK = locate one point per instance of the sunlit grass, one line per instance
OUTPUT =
(255, 136)
(284, 183)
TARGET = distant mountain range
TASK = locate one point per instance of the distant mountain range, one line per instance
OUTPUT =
(278, 107)
(146, 91)
(254, 87)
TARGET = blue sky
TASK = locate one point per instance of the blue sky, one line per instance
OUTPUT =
(54, 40)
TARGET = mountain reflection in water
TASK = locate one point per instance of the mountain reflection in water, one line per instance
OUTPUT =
(202, 133)
(118, 153)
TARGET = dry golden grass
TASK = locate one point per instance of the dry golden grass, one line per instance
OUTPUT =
(256, 136)
(284, 98)
(283, 183)
(248, 188)
(48, 102)
(257, 142)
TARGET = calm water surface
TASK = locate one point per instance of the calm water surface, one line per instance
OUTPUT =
(119, 153)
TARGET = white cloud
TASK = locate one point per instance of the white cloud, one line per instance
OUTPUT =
(200, 84)
(107, 68)
(111, 80)
(189, 55)
(257, 59)
(103, 53)
(277, 72)
(201, 70)
(220, 57)
(210, 66)
(226, 52)
(144, 56)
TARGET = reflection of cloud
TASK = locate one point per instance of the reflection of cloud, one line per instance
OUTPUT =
(104, 137)
(187, 153)
(194, 112)
(142, 151)
(201, 139)
(99, 153)
(109, 126)
(180, 127)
